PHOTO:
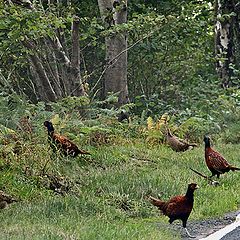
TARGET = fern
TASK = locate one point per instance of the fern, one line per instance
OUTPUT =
(150, 123)
(155, 131)
(162, 121)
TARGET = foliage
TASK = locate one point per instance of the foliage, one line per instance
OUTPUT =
(171, 41)
(194, 128)
(175, 56)
(110, 186)
(155, 132)
(107, 189)
(70, 104)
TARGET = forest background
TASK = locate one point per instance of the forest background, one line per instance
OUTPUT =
(79, 64)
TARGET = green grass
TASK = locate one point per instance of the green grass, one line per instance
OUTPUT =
(107, 200)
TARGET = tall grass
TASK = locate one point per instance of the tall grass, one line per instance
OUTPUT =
(108, 192)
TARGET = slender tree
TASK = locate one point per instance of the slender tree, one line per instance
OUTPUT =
(114, 13)
(55, 70)
(224, 40)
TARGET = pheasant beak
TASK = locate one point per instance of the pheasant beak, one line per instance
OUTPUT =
(196, 187)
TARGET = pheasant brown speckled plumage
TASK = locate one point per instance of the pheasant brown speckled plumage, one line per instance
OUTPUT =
(178, 207)
(177, 144)
(57, 141)
(216, 163)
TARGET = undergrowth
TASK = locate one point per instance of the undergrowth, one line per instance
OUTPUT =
(103, 196)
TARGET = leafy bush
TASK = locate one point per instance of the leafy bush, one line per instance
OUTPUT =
(194, 129)
(231, 134)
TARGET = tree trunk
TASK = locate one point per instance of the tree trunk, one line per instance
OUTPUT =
(70, 68)
(52, 68)
(237, 35)
(224, 41)
(63, 64)
(76, 82)
(49, 94)
(59, 75)
(39, 91)
(115, 76)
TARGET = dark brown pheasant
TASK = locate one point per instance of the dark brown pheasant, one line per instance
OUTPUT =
(216, 163)
(177, 144)
(178, 207)
(5, 199)
(62, 143)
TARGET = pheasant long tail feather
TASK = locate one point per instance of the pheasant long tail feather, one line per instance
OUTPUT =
(83, 152)
(200, 174)
(156, 202)
(192, 144)
(234, 168)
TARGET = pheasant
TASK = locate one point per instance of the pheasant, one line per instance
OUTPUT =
(178, 207)
(62, 143)
(216, 163)
(123, 115)
(177, 144)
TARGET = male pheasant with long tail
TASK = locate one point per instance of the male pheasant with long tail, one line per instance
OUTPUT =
(57, 141)
(216, 163)
(178, 207)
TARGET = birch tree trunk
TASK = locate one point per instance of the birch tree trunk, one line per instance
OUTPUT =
(237, 35)
(224, 40)
(114, 12)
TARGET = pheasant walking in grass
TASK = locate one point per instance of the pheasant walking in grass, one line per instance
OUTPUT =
(178, 207)
(177, 144)
(216, 163)
(67, 147)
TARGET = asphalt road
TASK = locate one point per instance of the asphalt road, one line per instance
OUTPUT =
(205, 228)
(234, 235)
(214, 229)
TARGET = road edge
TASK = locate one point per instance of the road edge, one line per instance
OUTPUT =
(224, 231)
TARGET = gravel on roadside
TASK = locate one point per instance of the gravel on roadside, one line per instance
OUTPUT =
(203, 228)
